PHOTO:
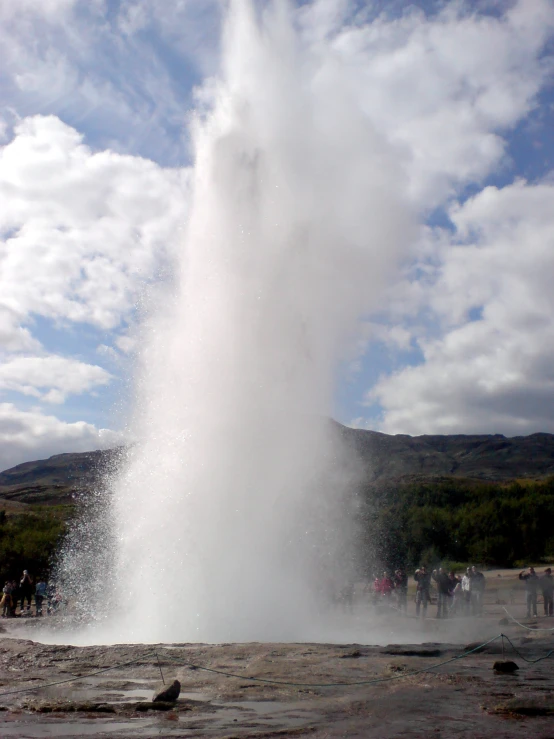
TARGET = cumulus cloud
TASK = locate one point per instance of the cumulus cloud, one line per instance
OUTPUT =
(489, 359)
(80, 231)
(442, 88)
(13, 336)
(50, 378)
(28, 435)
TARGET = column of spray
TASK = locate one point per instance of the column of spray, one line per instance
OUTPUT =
(228, 511)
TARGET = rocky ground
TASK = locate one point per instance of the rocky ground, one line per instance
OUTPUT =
(464, 698)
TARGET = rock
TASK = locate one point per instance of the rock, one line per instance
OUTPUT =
(506, 667)
(167, 693)
(95, 708)
(155, 706)
(408, 651)
(525, 708)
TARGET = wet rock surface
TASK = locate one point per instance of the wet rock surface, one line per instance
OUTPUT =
(373, 691)
(167, 693)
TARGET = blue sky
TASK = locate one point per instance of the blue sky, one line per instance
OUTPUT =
(95, 183)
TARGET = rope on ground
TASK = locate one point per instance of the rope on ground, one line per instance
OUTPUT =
(375, 681)
(523, 626)
(82, 677)
(338, 685)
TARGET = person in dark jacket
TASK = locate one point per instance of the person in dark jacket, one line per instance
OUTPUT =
(547, 587)
(400, 582)
(443, 590)
(531, 581)
(16, 593)
(26, 591)
(423, 597)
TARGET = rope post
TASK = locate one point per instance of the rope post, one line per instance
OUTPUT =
(160, 668)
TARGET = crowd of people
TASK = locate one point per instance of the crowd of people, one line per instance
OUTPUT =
(456, 595)
(21, 593)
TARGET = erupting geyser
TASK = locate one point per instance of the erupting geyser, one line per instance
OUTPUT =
(226, 520)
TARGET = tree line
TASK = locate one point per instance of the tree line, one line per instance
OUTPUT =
(442, 520)
(30, 540)
(460, 521)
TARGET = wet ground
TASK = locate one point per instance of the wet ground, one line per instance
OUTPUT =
(464, 698)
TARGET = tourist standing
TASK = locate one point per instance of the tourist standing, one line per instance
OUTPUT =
(400, 582)
(26, 591)
(478, 583)
(466, 592)
(423, 597)
(15, 595)
(531, 581)
(547, 587)
(385, 587)
(40, 595)
(6, 601)
(443, 592)
(455, 591)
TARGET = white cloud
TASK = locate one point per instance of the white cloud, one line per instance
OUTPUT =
(443, 88)
(81, 231)
(49, 8)
(28, 435)
(495, 373)
(13, 337)
(50, 378)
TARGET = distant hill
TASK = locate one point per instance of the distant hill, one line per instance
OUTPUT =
(482, 457)
(56, 480)
(384, 459)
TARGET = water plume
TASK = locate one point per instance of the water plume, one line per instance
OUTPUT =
(228, 519)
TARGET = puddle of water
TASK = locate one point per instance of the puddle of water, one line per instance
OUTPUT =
(108, 691)
(261, 714)
(240, 714)
(245, 718)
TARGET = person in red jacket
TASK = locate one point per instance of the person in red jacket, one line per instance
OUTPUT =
(385, 586)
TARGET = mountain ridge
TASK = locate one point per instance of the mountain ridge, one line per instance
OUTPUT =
(384, 458)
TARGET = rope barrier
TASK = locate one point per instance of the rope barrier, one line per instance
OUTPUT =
(523, 626)
(194, 666)
(525, 659)
(82, 677)
(337, 685)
